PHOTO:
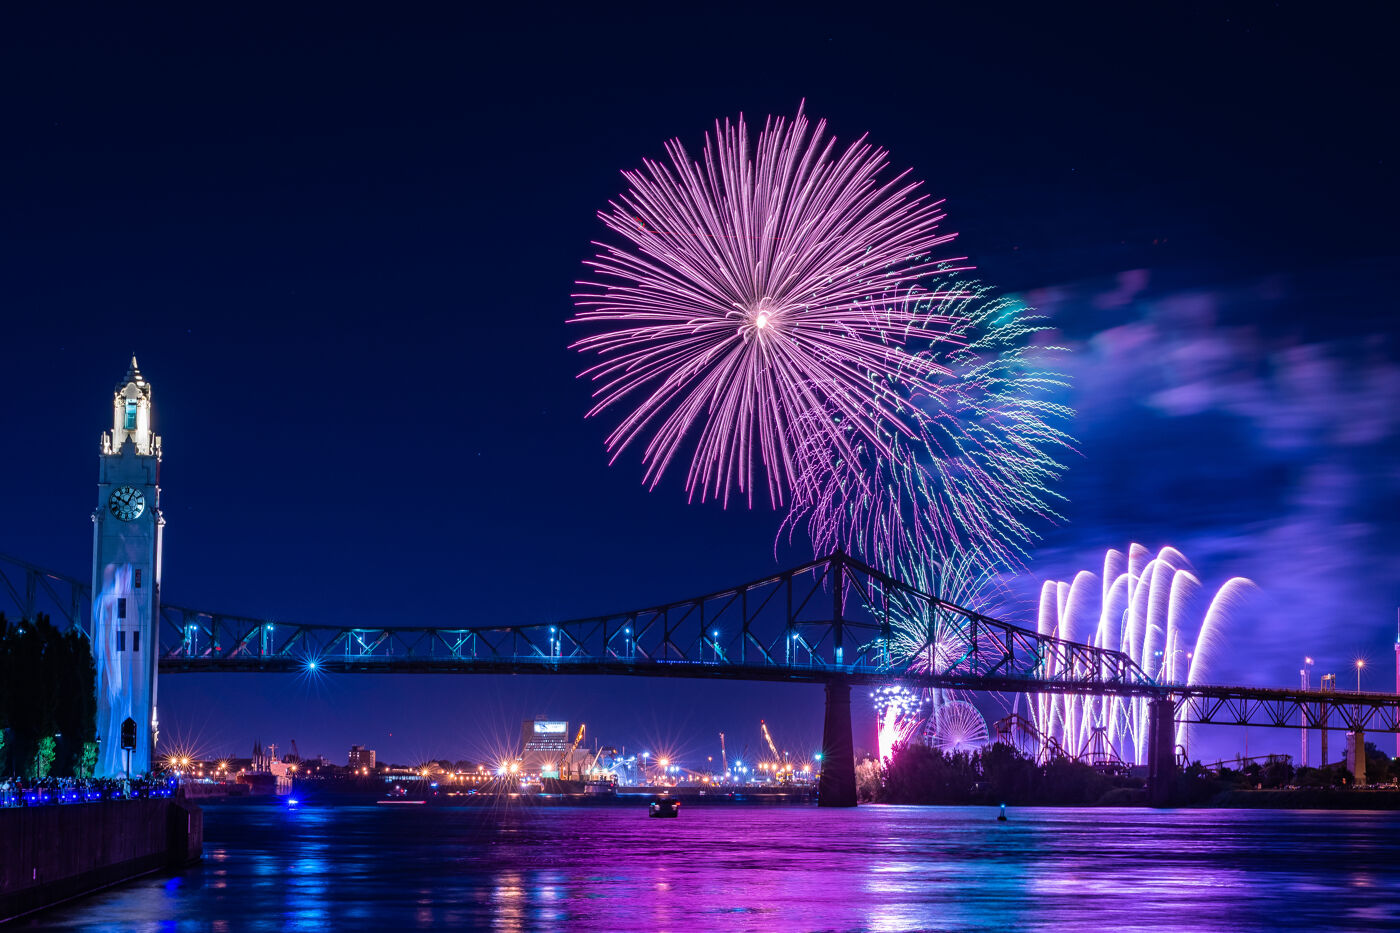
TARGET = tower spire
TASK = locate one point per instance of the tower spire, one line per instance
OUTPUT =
(131, 415)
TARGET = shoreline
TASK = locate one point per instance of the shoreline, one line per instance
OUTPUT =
(1382, 800)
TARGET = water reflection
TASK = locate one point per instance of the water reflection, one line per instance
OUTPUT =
(733, 867)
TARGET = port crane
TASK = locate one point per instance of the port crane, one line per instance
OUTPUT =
(780, 766)
(568, 755)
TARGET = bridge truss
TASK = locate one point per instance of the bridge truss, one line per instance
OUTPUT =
(832, 619)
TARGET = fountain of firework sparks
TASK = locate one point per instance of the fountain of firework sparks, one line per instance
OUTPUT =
(1140, 607)
(898, 713)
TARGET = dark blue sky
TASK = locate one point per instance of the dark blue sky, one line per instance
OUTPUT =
(342, 245)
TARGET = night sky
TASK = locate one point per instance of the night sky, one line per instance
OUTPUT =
(343, 244)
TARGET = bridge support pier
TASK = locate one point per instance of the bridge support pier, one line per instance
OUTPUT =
(837, 785)
(1356, 756)
(1161, 751)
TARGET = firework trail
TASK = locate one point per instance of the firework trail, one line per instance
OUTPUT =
(963, 467)
(898, 712)
(760, 300)
(1140, 607)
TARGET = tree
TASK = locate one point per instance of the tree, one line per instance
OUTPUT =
(1380, 767)
(1278, 772)
(1009, 776)
(48, 700)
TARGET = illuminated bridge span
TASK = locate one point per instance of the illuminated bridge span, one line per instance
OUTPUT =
(828, 621)
(827, 618)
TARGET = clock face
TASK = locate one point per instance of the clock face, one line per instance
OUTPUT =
(126, 502)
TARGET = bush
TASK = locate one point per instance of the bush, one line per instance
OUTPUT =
(996, 774)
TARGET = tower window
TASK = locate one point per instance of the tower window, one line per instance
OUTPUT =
(121, 607)
(121, 641)
(138, 578)
(136, 641)
(131, 414)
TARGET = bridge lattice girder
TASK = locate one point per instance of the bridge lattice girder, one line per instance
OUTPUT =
(832, 618)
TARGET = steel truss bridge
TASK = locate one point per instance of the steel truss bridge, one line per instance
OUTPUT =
(830, 620)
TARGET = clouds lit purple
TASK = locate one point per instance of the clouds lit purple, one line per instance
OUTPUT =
(1224, 422)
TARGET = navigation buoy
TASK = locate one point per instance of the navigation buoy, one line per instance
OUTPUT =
(1001, 818)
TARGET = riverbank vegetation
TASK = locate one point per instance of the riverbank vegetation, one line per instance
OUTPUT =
(996, 774)
(48, 701)
(999, 773)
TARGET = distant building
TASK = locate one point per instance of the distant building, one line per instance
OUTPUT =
(543, 743)
(361, 757)
(264, 774)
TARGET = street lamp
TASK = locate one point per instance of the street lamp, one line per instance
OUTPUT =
(1360, 663)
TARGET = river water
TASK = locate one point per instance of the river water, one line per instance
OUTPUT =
(520, 867)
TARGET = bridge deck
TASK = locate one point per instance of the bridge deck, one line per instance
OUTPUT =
(832, 619)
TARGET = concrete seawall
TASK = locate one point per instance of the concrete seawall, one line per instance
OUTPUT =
(51, 854)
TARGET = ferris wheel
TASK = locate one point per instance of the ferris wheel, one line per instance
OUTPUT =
(956, 726)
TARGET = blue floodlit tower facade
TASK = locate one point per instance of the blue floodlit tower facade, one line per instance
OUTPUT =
(127, 528)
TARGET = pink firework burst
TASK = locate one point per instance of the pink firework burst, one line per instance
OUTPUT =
(761, 302)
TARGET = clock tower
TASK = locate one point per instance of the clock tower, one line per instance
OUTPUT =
(126, 538)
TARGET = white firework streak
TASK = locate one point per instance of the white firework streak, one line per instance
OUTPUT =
(1142, 605)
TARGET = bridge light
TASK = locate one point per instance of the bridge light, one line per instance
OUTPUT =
(311, 665)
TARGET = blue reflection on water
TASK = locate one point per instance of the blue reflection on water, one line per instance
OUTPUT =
(733, 867)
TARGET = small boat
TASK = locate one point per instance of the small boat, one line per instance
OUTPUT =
(663, 807)
(400, 795)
